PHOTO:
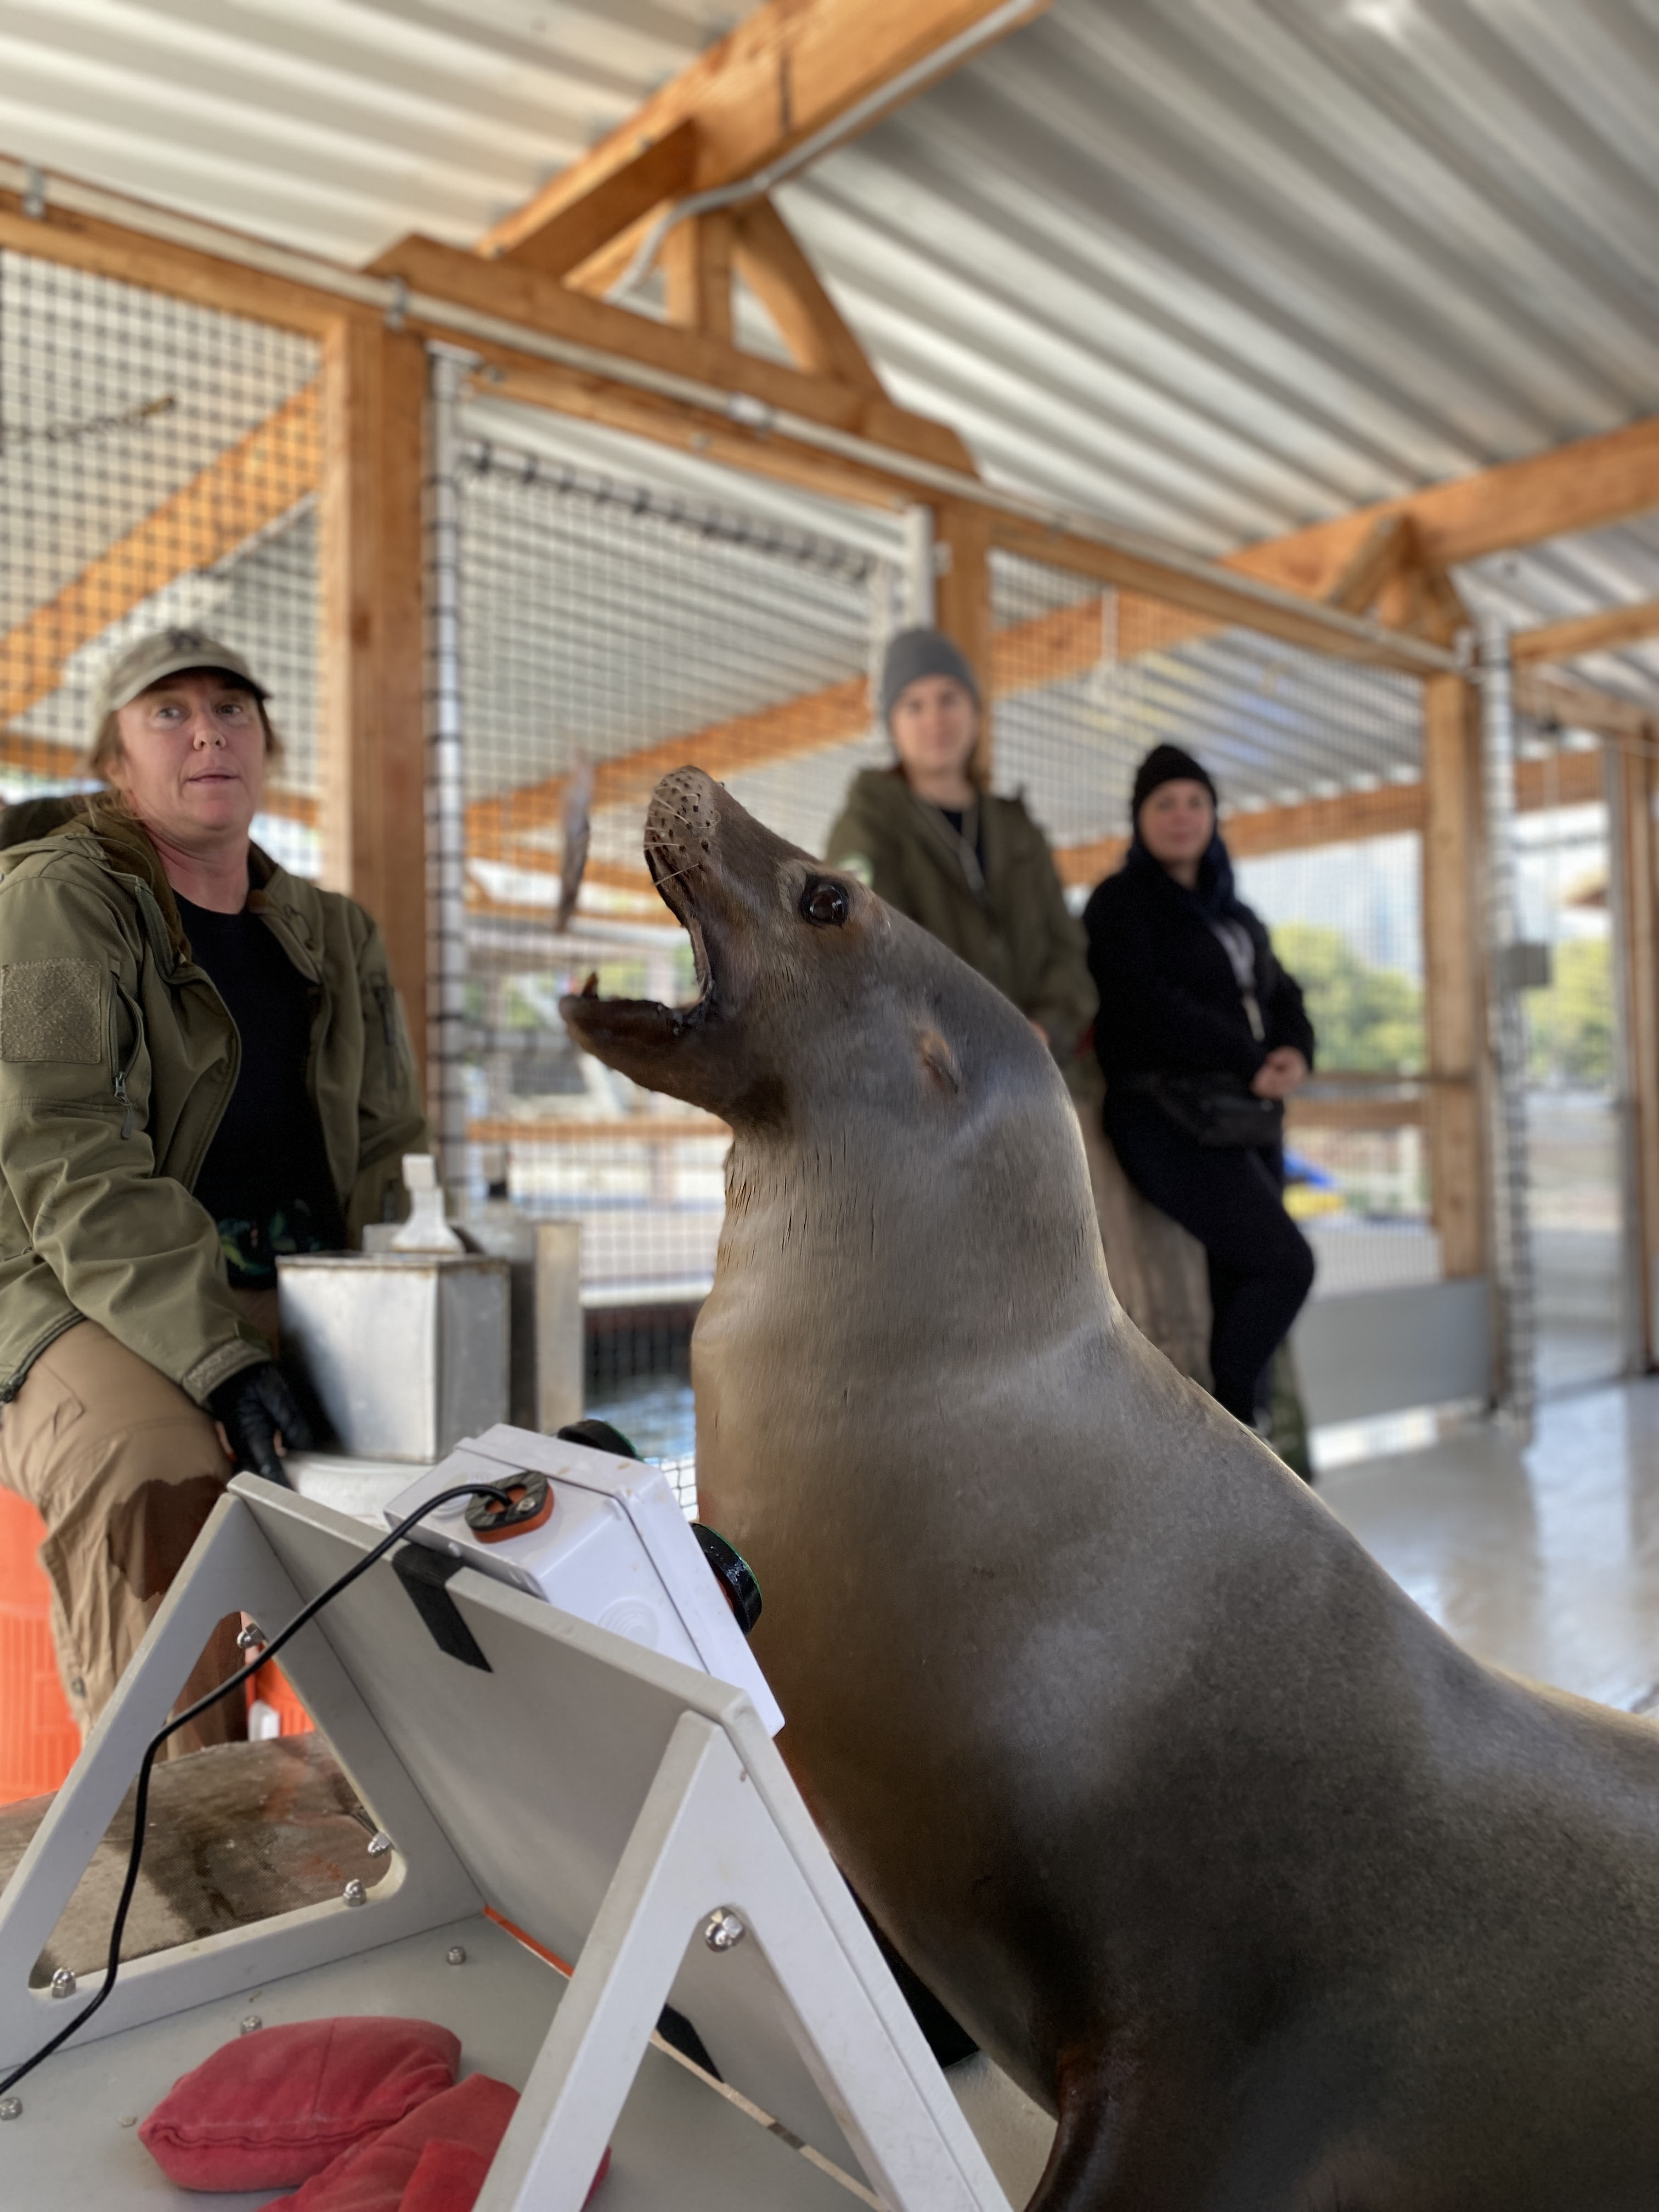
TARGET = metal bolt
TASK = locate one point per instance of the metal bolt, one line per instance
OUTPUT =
(62, 1982)
(378, 1844)
(250, 2022)
(456, 1955)
(354, 1892)
(250, 1638)
(723, 1930)
(11, 2108)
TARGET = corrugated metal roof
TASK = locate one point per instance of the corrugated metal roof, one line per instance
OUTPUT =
(1217, 267)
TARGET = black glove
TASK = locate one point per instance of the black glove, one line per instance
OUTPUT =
(251, 1408)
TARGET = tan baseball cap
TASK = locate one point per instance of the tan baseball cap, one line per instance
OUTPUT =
(165, 653)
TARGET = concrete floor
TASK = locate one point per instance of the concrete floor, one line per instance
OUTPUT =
(1544, 1560)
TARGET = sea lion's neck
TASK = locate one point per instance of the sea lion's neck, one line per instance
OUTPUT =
(862, 1237)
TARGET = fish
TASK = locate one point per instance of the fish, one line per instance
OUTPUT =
(578, 825)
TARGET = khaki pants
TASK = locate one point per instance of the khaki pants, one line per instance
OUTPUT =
(123, 1468)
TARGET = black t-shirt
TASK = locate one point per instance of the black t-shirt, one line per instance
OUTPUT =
(957, 819)
(265, 1179)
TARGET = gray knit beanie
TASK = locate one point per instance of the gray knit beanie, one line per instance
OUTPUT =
(914, 653)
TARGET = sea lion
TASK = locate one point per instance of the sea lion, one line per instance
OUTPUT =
(1226, 1853)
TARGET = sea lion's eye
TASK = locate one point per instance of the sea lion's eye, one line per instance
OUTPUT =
(825, 903)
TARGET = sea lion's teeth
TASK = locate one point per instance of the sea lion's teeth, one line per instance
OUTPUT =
(591, 987)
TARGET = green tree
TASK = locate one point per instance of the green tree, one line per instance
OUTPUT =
(1364, 1017)
(1570, 1022)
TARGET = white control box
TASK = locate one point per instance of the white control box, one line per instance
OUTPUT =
(616, 1551)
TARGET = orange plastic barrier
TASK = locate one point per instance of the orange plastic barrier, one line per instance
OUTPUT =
(38, 1740)
(273, 1687)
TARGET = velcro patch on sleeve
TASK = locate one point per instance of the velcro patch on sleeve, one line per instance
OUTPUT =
(52, 1010)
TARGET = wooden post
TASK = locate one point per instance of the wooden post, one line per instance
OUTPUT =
(696, 266)
(373, 753)
(770, 262)
(962, 603)
(1631, 773)
(1453, 973)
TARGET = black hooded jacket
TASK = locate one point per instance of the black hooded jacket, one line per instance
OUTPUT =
(1169, 1001)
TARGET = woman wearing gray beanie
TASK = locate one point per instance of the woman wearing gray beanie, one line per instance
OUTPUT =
(972, 868)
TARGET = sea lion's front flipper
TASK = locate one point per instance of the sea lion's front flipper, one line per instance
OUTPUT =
(1132, 2138)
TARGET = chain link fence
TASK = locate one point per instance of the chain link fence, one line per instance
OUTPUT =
(158, 467)
(611, 630)
(1305, 748)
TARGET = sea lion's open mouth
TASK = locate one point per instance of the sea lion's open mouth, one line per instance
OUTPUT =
(673, 858)
(671, 883)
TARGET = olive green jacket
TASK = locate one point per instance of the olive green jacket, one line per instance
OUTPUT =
(116, 1060)
(1014, 928)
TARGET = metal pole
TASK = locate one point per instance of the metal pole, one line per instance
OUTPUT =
(1512, 1268)
(1632, 1305)
(445, 785)
(920, 572)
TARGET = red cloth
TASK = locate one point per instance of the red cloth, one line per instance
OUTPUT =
(447, 2178)
(277, 2106)
(464, 2126)
(435, 2161)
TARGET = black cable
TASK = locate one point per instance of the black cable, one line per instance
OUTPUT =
(141, 1803)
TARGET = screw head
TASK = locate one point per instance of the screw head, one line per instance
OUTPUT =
(355, 1893)
(62, 1982)
(11, 2108)
(456, 1955)
(378, 1844)
(250, 1637)
(250, 2022)
(723, 1930)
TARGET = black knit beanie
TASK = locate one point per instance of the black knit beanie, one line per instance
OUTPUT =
(1167, 764)
(914, 653)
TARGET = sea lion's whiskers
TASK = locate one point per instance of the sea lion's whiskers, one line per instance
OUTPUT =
(690, 864)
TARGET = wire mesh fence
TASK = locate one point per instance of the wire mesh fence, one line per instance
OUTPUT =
(158, 469)
(1305, 748)
(611, 632)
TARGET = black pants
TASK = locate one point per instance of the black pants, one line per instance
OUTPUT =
(1262, 1266)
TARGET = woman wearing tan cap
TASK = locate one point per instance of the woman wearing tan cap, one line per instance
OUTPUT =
(203, 1063)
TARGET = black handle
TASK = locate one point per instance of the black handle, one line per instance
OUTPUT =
(734, 1574)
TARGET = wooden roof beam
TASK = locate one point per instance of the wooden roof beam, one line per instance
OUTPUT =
(518, 294)
(1388, 546)
(659, 168)
(1561, 702)
(1586, 485)
(1607, 631)
(697, 265)
(1564, 779)
(790, 69)
(771, 264)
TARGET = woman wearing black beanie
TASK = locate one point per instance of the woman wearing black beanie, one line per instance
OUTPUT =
(1202, 1036)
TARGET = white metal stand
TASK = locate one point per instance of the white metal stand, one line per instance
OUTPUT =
(617, 1809)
